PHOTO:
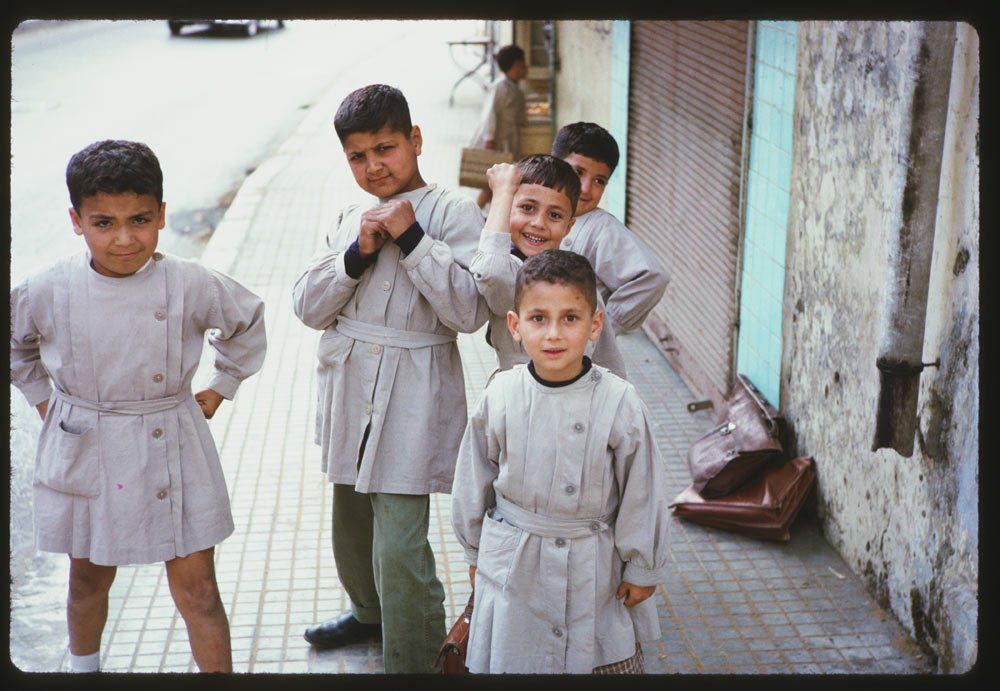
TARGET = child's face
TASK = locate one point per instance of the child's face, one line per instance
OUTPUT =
(594, 176)
(540, 218)
(384, 163)
(121, 230)
(554, 322)
(517, 71)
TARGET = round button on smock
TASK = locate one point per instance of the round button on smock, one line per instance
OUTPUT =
(578, 426)
(162, 494)
(560, 542)
(160, 315)
(157, 433)
(157, 378)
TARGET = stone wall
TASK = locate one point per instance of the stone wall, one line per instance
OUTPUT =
(907, 525)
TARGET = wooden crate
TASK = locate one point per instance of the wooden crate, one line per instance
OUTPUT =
(475, 163)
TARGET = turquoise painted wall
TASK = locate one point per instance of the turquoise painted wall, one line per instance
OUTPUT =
(614, 196)
(768, 184)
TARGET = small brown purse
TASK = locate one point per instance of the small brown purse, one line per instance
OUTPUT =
(727, 457)
(475, 162)
(451, 657)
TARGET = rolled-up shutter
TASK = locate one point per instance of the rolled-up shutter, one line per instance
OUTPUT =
(687, 106)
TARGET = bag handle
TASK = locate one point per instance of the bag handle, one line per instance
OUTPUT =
(764, 406)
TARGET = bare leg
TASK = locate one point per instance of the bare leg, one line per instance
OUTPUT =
(87, 604)
(485, 195)
(196, 594)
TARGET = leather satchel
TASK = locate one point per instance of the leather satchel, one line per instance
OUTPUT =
(475, 163)
(765, 508)
(451, 657)
(727, 457)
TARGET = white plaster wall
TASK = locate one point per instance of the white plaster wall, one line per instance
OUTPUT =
(897, 520)
(583, 81)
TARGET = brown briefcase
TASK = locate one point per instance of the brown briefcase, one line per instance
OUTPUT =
(475, 163)
(730, 455)
(764, 508)
(451, 657)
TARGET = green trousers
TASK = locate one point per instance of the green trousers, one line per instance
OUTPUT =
(386, 565)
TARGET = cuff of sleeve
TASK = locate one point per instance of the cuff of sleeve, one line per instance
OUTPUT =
(471, 556)
(419, 252)
(639, 575)
(340, 271)
(37, 391)
(354, 263)
(410, 238)
(496, 243)
(224, 384)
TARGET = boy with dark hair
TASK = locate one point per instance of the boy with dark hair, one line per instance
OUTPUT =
(127, 471)
(532, 212)
(504, 110)
(389, 293)
(629, 277)
(560, 495)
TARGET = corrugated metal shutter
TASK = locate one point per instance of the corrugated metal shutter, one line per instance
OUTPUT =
(687, 104)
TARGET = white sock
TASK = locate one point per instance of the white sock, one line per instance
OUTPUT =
(85, 663)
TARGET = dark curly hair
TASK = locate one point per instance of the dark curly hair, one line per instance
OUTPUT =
(113, 166)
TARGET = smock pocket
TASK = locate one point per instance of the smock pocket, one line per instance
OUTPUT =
(497, 545)
(334, 347)
(67, 460)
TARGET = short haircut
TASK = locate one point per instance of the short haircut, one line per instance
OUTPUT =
(113, 166)
(557, 266)
(587, 139)
(554, 173)
(508, 55)
(371, 108)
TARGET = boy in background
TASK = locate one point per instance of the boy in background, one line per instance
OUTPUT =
(504, 110)
(127, 471)
(560, 495)
(629, 277)
(389, 293)
(532, 211)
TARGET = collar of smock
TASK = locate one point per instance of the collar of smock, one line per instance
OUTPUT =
(587, 377)
(413, 196)
(139, 275)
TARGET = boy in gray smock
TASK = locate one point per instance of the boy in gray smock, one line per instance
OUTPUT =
(560, 495)
(389, 293)
(532, 211)
(504, 110)
(105, 344)
(629, 277)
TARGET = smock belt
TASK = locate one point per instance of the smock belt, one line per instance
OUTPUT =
(549, 526)
(153, 405)
(388, 336)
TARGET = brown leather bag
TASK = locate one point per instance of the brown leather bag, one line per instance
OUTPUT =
(728, 456)
(451, 657)
(764, 508)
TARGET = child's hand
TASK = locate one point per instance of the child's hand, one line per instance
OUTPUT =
(43, 408)
(472, 575)
(209, 401)
(503, 177)
(372, 236)
(634, 594)
(396, 215)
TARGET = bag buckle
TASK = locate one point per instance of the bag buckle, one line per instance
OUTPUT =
(727, 428)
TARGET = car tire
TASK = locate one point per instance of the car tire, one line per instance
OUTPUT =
(175, 28)
(251, 28)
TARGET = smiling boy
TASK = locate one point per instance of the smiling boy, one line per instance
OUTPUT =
(126, 470)
(560, 496)
(532, 211)
(390, 292)
(629, 277)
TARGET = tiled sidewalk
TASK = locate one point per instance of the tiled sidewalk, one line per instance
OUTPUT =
(730, 605)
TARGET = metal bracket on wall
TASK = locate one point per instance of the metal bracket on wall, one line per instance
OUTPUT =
(695, 406)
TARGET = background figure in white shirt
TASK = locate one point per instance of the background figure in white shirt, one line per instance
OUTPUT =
(504, 110)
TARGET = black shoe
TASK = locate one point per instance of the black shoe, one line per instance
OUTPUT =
(342, 630)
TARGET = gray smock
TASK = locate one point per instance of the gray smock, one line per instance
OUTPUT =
(389, 368)
(504, 112)
(495, 271)
(559, 496)
(127, 471)
(629, 277)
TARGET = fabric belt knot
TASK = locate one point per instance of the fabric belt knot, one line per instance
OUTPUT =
(388, 336)
(550, 526)
(147, 407)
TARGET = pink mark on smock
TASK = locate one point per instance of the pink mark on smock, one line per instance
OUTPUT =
(120, 485)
